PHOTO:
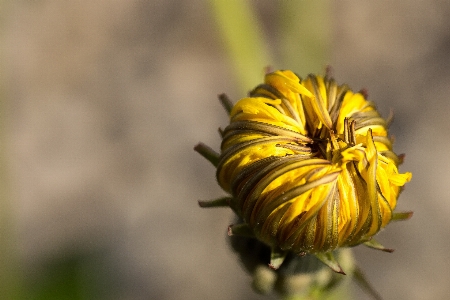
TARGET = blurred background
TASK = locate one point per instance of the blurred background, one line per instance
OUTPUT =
(102, 103)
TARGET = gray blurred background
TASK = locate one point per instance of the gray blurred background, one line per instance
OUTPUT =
(103, 102)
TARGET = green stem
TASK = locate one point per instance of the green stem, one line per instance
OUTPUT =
(243, 40)
(305, 35)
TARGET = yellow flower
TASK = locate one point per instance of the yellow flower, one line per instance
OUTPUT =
(309, 166)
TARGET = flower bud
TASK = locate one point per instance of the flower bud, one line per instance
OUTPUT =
(308, 166)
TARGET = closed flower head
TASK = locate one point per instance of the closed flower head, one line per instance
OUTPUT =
(309, 167)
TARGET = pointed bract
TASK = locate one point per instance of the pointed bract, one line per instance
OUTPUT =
(328, 259)
(277, 257)
(376, 245)
(221, 202)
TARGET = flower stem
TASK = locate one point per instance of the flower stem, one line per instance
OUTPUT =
(243, 40)
(305, 35)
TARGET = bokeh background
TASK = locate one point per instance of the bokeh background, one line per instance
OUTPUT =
(103, 101)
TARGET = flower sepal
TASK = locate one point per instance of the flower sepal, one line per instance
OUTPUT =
(376, 245)
(277, 257)
(220, 202)
(329, 259)
(402, 216)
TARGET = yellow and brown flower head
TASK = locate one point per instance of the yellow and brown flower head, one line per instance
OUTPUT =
(309, 167)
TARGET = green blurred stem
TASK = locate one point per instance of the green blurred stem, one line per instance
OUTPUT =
(305, 35)
(243, 39)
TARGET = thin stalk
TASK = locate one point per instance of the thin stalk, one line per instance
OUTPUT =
(305, 35)
(243, 40)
